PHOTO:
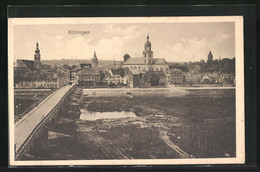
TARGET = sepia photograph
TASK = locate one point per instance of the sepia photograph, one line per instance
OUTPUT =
(126, 91)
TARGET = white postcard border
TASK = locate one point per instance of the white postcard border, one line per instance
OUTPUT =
(240, 120)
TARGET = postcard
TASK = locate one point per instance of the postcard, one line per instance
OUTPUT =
(126, 91)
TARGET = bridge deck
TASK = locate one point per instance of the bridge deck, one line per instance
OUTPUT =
(26, 125)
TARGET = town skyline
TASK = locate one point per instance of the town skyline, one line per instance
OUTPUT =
(183, 44)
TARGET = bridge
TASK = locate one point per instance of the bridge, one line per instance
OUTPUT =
(33, 124)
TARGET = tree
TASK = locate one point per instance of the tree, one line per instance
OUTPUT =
(155, 79)
(126, 56)
(111, 84)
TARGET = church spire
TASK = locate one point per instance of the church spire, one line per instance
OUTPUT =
(210, 57)
(37, 57)
(95, 56)
(94, 60)
(147, 53)
(37, 48)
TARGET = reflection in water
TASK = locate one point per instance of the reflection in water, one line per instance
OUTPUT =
(92, 116)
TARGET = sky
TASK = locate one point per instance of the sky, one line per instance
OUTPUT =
(176, 42)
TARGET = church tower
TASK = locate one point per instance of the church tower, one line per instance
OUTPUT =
(37, 57)
(147, 53)
(94, 61)
(210, 57)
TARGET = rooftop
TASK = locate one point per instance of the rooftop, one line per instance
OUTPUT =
(120, 72)
(26, 63)
(141, 61)
(89, 72)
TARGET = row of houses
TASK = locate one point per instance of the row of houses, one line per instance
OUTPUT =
(136, 78)
(49, 79)
(209, 78)
(125, 77)
(85, 75)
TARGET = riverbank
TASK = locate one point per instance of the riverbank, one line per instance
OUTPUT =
(147, 92)
(200, 124)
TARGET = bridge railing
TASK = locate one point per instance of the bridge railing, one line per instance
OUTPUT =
(18, 151)
(16, 118)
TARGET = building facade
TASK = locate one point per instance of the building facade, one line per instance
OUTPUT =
(175, 76)
(89, 77)
(147, 62)
(118, 76)
(192, 77)
(63, 77)
(51, 83)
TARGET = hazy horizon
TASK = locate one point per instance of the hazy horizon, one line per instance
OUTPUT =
(176, 42)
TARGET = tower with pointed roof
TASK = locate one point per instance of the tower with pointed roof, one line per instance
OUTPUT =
(94, 61)
(148, 53)
(37, 57)
(210, 57)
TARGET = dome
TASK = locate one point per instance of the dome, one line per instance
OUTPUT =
(147, 43)
(37, 48)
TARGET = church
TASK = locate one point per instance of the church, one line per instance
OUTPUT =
(22, 67)
(146, 62)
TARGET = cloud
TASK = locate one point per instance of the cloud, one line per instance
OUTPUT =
(113, 45)
(222, 37)
(119, 31)
(189, 49)
(195, 49)
(112, 41)
(118, 43)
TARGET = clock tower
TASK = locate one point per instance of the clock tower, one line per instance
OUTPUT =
(37, 57)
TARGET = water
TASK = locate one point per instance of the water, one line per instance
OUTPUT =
(92, 116)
